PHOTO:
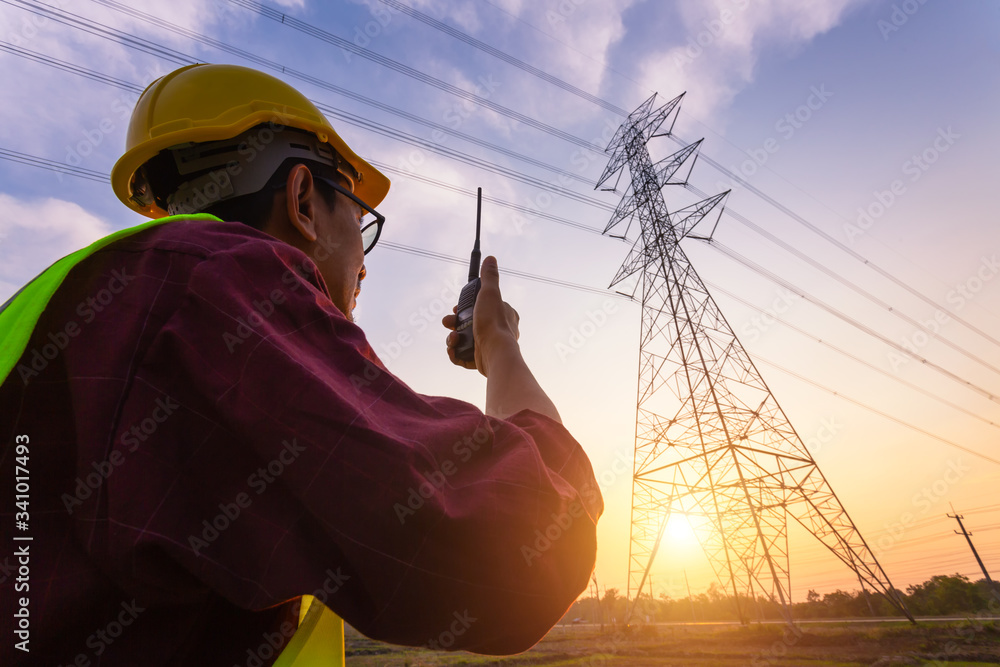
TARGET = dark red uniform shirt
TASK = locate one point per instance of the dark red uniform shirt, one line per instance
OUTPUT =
(210, 438)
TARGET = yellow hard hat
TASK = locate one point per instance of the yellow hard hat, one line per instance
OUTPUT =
(203, 103)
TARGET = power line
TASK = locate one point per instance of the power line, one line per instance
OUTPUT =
(160, 50)
(411, 139)
(97, 176)
(350, 118)
(507, 58)
(850, 320)
(330, 38)
(67, 67)
(340, 42)
(836, 242)
(96, 28)
(859, 290)
(405, 173)
(577, 51)
(58, 167)
(326, 85)
(862, 404)
(607, 105)
(346, 117)
(856, 358)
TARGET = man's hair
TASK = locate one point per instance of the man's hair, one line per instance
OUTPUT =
(255, 209)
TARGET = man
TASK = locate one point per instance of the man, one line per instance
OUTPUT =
(207, 439)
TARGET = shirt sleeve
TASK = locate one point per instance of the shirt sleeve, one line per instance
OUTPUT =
(278, 457)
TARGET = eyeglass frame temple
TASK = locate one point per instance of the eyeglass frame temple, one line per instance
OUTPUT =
(379, 218)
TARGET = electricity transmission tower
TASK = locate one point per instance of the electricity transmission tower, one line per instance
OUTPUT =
(711, 441)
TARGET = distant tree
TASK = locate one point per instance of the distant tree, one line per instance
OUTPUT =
(614, 606)
(944, 594)
(812, 596)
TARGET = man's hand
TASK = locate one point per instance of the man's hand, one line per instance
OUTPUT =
(510, 386)
(494, 322)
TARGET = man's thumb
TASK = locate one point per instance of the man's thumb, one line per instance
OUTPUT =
(489, 273)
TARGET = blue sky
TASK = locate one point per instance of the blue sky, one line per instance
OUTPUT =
(822, 106)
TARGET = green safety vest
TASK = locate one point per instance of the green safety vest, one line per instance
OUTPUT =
(319, 639)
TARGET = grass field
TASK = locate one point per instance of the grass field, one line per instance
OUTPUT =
(959, 643)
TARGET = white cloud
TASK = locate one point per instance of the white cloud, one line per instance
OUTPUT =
(724, 40)
(49, 112)
(36, 233)
(588, 29)
(570, 39)
(291, 4)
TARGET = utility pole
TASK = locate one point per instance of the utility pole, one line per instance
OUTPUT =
(864, 592)
(694, 619)
(652, 601)
(968, 538)
(600, 606)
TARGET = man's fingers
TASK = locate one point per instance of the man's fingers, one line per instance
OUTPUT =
(449, 321)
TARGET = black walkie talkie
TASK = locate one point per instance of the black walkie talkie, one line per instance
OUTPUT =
(466, 348)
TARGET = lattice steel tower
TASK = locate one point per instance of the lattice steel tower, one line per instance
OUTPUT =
(711, 441)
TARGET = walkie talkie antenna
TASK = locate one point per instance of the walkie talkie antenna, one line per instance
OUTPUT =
(476, 255)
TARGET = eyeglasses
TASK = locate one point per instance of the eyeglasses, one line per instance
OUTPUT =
(370, 232)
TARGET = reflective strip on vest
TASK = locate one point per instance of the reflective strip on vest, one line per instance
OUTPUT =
(319, 639)
(20, 314)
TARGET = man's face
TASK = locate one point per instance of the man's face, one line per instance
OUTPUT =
(338, 250)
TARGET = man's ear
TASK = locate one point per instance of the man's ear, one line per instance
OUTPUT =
(300, 201)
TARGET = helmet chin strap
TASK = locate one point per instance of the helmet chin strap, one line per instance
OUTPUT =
(244, 164)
